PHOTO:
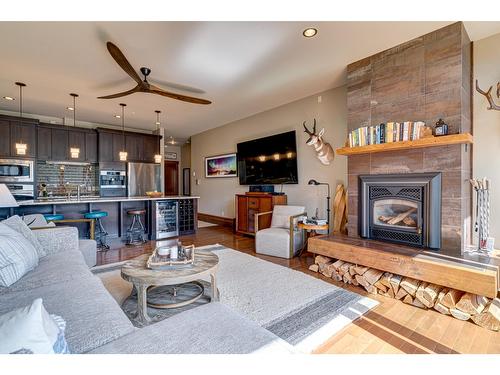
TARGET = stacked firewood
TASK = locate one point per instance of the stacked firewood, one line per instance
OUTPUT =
(481, 310)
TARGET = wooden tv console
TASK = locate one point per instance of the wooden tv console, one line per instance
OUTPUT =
(247, 205)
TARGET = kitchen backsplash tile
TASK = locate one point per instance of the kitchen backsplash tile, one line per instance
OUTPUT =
(61, 177)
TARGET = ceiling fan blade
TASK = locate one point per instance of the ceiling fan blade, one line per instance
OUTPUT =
(120, 94)
(121, 60)
(156, 90)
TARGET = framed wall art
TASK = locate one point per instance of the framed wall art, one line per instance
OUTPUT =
(221, 166)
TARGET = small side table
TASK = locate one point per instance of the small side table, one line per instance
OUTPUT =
(310, 232)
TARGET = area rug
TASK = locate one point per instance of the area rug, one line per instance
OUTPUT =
(301, 309)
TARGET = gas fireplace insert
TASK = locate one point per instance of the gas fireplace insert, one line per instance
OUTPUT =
(401, 208)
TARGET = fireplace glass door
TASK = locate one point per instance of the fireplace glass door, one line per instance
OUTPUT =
(396, 214)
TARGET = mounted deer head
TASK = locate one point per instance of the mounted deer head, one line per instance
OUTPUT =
(324, 150)
(488, 96)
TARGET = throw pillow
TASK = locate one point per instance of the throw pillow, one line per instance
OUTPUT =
(28, 329)
(16, 223)
(17, 256)
(280, 221)
(60, 346)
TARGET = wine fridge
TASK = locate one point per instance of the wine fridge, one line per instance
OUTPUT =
(167, 219)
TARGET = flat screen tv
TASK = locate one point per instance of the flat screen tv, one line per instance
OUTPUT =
(268, 161)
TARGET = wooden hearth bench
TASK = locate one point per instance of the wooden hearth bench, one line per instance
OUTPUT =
(461, 285)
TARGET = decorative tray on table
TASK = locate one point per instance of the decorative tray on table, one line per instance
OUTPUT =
(166, 257)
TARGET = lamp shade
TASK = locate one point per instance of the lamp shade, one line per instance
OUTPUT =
(6, 198)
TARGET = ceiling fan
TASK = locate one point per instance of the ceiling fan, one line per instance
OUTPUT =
(142, 84)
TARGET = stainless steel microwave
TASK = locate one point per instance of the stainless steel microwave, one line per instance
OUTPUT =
(15, 170)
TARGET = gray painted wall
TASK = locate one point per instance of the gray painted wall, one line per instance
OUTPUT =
(217, 194)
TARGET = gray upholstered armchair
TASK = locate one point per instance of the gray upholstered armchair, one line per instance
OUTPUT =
(283, 238)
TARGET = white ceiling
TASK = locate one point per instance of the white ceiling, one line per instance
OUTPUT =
(243, 67)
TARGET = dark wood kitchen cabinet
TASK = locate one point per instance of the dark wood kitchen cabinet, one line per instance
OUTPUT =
(105, 146)
(44, 143)
(60, 149)
(134, 146)
(91, 147)
(4, 138)
(151, 147)
(139, 147)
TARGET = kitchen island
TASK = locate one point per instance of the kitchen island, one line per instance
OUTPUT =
(162, 219)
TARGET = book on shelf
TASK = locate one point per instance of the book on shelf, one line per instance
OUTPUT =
(386, 133)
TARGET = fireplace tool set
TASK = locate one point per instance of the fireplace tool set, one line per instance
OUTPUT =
(482, 224)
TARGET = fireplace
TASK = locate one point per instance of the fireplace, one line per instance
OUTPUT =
(402, 208)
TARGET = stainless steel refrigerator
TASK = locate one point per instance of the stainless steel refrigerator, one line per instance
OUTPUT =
(143, 177)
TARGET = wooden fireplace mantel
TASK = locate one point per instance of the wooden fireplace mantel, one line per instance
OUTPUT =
(478, 277)
(444, 140)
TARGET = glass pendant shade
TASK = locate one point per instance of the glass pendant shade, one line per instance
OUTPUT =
(122, 155)
(158, 158)
(74, 152)
(21, 147)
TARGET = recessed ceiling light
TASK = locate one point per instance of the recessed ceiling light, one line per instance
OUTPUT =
(8, 98)
(70, 108)
(118, 116)
(309, 32)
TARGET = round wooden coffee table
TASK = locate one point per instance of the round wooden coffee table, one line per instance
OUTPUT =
(143, 278)
(310, 232)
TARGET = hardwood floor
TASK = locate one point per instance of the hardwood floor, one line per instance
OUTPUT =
(391, 327)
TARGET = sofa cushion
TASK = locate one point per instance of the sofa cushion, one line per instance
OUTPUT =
(57, 239)
(17, 256)
(209, 329)
(89, 250)
(93, 318)
(16, 223)
(53, 269)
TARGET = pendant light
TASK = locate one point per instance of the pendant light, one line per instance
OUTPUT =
(123, 154)
(74, 151)
(21, 147)
(158, 157)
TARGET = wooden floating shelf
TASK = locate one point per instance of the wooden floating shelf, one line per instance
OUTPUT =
(444, 140)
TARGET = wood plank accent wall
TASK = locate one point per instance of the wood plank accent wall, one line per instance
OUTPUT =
(424, 79)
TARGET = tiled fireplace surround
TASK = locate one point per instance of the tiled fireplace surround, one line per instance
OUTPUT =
(426, 79)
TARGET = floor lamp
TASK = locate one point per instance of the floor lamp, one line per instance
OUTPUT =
(314, 182)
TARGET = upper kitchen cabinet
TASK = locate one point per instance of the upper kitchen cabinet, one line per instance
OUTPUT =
(60, 149)
(44, 143)
(151, 147)
(14, 130)
(91, 147)
(134, 146)
(55, 143)
(110, 143)
(139, 147)
(4, 138)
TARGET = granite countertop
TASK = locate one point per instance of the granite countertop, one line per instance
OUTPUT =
(38, 202)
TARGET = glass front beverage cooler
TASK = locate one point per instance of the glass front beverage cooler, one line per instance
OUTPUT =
(167, 222)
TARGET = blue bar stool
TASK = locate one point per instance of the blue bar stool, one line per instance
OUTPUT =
(52, 217)
(100, 232)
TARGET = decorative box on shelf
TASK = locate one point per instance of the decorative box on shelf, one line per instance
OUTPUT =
(165, 257)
